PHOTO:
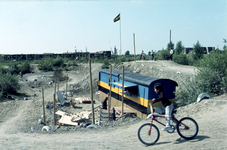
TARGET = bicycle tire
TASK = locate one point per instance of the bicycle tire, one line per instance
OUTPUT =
(190, 133)
(143, 134)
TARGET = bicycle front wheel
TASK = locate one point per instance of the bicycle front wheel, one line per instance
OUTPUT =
(187, 128)
(148, 135)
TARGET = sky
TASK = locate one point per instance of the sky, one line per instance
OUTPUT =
(57, 26)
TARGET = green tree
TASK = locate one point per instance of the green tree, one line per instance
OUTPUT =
(179, 48)
(115, 53)
(197, 51)
(170, 45)
(127, 53)
(224, 41)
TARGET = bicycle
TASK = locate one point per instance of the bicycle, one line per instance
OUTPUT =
(186, 127)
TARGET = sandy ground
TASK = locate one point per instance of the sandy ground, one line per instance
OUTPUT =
(18, 116)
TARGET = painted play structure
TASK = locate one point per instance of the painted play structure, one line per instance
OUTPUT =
(138, 90)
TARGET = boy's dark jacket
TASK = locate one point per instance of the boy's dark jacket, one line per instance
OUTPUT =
(162, 97)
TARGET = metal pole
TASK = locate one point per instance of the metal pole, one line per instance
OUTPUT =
(44, 120)
(122, 112)
(109, 98)
(170, 38)
(91, 92)
(134, 46)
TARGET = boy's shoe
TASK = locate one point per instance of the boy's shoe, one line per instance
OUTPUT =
(166, 128)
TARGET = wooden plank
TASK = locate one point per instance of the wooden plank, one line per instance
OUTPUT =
(106, 111)
(105, 115)
(67, 120)
(60, 113)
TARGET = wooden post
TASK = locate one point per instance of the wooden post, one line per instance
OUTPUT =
(54, 109)
(91, 92)
(134, 46)
(58, 84)
(54, 87)
(44, 120)
(58, 88)
(122, 112)
(109, 98)
(66, 86)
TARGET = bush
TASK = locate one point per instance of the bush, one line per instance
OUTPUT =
(211, 78)
(9, 83)
(3, 70)
(58, 75)
(212, 74)
(58, 62)
(164, 54)
(105, 64)
(181, 59)
(13, 69)
(123, 59)
(187, 95)
(46, 65)
(25, 68)
(117, 61)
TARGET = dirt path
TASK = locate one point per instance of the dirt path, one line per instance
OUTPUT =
(212, 135)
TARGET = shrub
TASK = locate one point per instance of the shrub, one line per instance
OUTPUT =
(212, 72)
(3, 70)
(123, 59)
(9, 83)
(105, 64)
(181, 59)
(58, 75)
(13, 69)
(46, 65)
(164, 54)
(58, 62)
(211, 78)
(187, 95)
(25, 68)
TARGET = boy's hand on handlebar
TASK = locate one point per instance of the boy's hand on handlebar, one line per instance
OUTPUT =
(152, 101)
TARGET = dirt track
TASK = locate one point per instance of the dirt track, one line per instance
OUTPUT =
(17, 117)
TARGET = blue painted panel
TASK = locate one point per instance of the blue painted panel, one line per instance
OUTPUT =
(143, 91)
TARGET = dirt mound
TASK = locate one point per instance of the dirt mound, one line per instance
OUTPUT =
(18, 116)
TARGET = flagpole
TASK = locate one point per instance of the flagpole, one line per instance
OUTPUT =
(120, 35)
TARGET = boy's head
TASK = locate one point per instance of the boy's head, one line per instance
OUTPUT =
(158, 87)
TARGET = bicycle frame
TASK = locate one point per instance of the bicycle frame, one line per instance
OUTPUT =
(153, 118)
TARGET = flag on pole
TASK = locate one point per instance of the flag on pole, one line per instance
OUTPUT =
(117, 18)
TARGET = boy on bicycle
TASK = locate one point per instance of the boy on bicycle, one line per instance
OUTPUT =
(167, 105)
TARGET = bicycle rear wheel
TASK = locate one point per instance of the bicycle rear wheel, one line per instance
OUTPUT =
(187, 128)
(145, 137)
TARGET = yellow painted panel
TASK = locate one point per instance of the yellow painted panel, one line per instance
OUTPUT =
(139, 100)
